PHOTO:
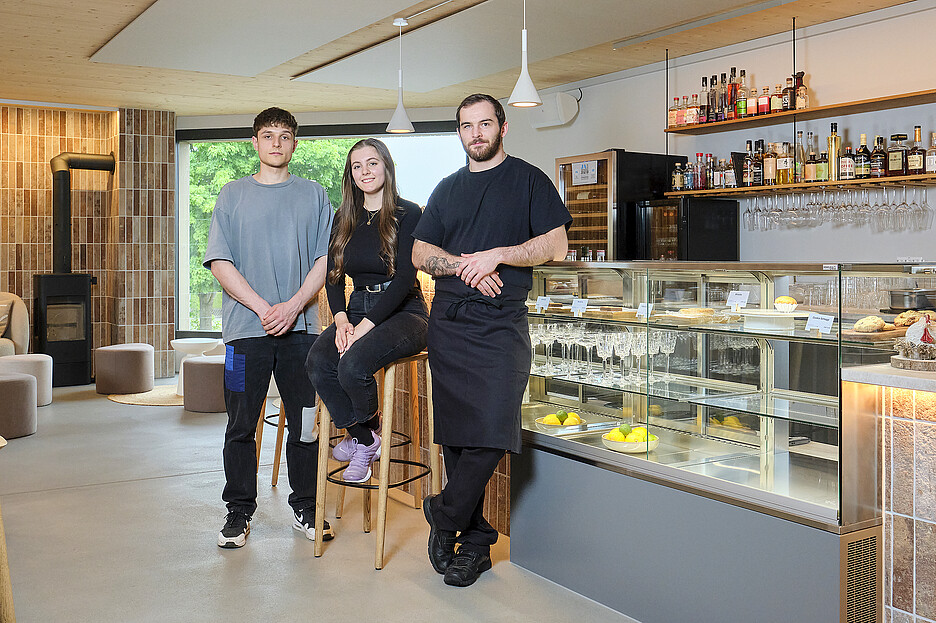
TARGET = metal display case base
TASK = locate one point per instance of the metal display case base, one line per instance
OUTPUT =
(661, 555)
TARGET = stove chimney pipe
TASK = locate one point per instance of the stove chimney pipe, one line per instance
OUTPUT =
(61, 200)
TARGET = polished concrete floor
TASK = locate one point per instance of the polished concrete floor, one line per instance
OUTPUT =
(112, 511)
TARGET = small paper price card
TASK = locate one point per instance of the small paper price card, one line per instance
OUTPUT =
(644, 309)
(819, 322)
(738, 299)
(578, 307)
(542, 302)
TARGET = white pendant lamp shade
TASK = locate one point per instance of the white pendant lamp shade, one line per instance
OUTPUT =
(399, 122)
(524, 93)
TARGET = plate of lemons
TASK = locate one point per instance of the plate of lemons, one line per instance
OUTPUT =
(560, 421)
(627, 439)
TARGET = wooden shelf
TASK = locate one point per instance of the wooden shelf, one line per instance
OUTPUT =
(819, 112)
(592, 201)
(777, 189)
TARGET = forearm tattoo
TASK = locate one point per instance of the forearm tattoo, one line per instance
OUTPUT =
(439, 266)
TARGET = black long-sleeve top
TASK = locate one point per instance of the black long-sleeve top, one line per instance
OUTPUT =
(363, 263)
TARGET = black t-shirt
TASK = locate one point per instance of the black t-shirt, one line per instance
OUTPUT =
(476, 211)
(362, 262)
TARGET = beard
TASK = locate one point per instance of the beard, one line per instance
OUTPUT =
(483, 152)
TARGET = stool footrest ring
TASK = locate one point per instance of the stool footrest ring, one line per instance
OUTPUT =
(404, 439)
(424, 471)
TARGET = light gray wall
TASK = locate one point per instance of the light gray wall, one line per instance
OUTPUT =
(630, 113)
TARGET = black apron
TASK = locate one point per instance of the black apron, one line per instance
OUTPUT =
(480, 358)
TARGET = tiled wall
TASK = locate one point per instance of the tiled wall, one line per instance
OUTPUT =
(122, 224)
(909, 505)
(141, 282)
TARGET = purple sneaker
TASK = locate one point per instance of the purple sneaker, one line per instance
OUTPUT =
(342, 450)
(359, 469)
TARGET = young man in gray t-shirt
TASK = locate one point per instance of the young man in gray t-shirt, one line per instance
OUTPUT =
(267, 247)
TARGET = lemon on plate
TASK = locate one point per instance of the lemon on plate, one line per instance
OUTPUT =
(551, 419)
(616, 435)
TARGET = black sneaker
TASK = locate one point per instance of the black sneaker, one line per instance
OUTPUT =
(235, 530)
(465, 567)
(304, 521)
(441, 542)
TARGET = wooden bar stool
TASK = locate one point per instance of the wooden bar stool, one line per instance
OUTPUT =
(383, 472)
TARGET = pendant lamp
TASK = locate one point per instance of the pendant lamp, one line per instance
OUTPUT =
(524, 93)
(399, 122)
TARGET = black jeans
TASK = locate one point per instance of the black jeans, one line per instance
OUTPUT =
(460, 506)
(346, 384)
(248, 363)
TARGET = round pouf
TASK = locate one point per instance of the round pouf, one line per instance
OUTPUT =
(18, 407)
(34, 364)
(124, 368)
(203, 378)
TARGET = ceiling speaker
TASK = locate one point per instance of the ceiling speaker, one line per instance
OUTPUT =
(557, 109)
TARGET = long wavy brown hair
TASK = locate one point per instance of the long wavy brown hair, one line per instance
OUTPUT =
(352, 207)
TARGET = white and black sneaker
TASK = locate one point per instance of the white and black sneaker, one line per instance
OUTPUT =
(304, 521)
(235, 530)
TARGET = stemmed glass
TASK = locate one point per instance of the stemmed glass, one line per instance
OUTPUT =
(653, 348)
(548, 338)
(668, 347)
(605, 350)
(638, 348)
(622, 346)
(587, 340)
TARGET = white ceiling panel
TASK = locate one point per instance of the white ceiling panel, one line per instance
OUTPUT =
(237, 37)
(485, 39)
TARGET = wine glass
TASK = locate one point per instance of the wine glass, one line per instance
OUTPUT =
(622, 347)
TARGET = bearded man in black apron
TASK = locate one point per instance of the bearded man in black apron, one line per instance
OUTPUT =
(484, 227)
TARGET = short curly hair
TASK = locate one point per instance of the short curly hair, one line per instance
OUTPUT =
(276, 117)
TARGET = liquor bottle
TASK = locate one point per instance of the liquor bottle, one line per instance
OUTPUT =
(788, 96)
(822, 168)
(757, 170)
(847, 165)
(897, 156)
(741, 101)
(688, 177)
(699, 173)
(722, 97)
(747, 170)
(692, 112)
(878, 158)
(678, 177)
(671, 114)
(776, 100)
(931, 155)
(751, 107)
(799, 160)
(731, 179)
(802, 93)
(863, 160)
(834, 153)
(710, 166)
(703, 102)
(809, 171)
(916, 157)
(770, 165)
(785, 164)
(681, 112)
(713, 100)
(718, 174)
(763, 102)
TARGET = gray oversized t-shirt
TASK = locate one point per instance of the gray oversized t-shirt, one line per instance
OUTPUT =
(272, 233)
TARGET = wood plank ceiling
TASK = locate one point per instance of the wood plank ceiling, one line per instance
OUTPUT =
(45, 47)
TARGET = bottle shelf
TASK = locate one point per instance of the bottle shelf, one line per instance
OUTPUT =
(806, 114)
(783, 189)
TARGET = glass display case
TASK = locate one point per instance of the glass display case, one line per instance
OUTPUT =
(740, 396)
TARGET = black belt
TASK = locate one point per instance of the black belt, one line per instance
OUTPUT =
(378, 287)
(477, 297)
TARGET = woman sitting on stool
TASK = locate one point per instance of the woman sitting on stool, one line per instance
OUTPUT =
(385, 318)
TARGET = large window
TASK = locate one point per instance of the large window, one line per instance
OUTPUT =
(205, 166)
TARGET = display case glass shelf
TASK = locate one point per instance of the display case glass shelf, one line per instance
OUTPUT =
(751, 415)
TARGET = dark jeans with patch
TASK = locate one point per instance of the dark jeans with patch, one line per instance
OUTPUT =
(248, 364)
(346, 384)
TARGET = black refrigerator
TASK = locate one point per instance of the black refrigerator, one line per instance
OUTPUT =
(682, 228)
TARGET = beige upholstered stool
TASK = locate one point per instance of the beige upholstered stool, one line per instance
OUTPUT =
(34, 364)
(18, 406)
(124, 368)
(203, 378)
(383, 478)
